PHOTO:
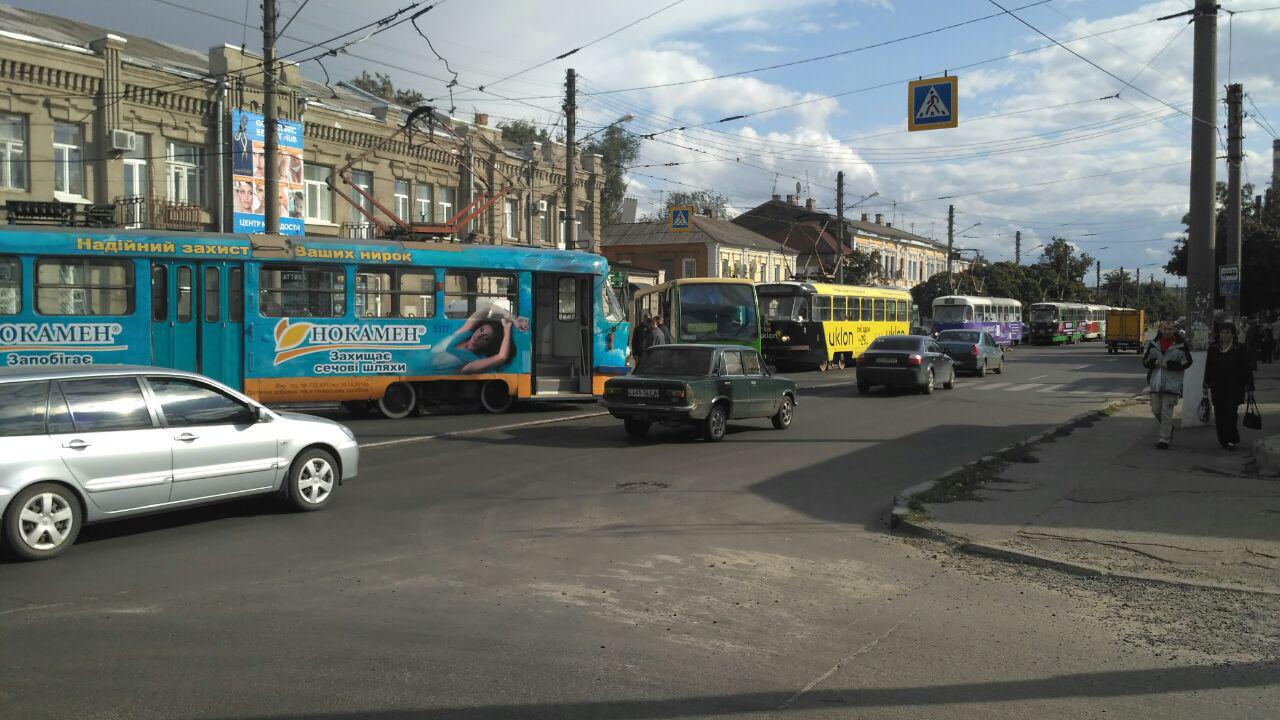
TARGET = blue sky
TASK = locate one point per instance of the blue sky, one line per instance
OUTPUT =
(1011, 172)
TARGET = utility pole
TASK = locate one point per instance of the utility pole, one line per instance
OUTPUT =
(570, 158)
(1200, 235)
(1235, 137)
(951, 240)
(1017, 248)
(840, 220)
(1124, 280)
(1097, 279)
(272, 199)
(1201, 260)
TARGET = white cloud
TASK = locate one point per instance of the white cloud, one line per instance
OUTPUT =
(746, 24)
(764, 47)
(809, 27)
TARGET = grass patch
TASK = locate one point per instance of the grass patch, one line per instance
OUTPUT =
(962, 484)
(1019, 454)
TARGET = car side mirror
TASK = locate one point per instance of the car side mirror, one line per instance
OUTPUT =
(260, 415)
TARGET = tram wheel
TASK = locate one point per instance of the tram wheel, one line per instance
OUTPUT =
(398, 400)
(824, 365)
(840, 361)
(495, 397)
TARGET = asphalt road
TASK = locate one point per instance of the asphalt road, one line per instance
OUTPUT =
(539, 564)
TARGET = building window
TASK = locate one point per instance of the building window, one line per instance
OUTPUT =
(725, 270)
(362, 179)
(319, 199)
(423, 202)
(511, 211)
(13, 152)
(445, 201)
(68, 159)
(186, 173)
(689, 268)
(544, 227)
(84, 287)
(401, 193)
(137, 179)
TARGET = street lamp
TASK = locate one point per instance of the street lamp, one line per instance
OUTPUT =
(625, 118)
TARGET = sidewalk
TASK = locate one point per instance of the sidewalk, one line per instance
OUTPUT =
(1104, 499)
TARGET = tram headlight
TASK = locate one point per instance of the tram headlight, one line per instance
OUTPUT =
(785, 338)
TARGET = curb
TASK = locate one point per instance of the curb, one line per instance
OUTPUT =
(901, 521)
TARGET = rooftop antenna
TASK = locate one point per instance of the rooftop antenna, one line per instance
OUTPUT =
(775, 183)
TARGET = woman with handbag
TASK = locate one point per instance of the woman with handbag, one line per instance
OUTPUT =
(1228, 375)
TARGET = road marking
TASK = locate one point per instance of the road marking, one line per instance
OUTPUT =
(1038, 377)
(996, 386)
(1049, 388)
(456, 433)
(1020, 388)
(1081, 367)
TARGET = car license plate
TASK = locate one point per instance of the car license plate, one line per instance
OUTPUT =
(642, 392)
(887, 361)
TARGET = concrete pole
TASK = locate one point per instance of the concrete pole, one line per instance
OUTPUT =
(1017, 248)
(951, 242)
(570, 158)
(840, 224)
(1235, 136)
(271, 201)
(1201, 260)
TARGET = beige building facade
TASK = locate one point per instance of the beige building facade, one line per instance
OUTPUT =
(94, 117)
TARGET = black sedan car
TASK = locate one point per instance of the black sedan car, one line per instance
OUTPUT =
(973, 351)
(701, 385)
(905, 361)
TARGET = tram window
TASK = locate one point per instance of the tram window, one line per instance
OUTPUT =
(302, 291)
(866, 309)
(84, 287)
(159, 293)
(373, 293)
(567, 299)
(879, 310)
(854, 309)
(822, 307)
(184, 294)
(469, 291)
(416, 293)
(838, 308)
(212, 294)
(10, 286)
(902, 311)
(235, 295)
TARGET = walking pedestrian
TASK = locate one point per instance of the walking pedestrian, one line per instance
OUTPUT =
(1268, 343)
(664, 331)
(1253, 342)
(637, 338)
(1166, 358)
(1227, 377)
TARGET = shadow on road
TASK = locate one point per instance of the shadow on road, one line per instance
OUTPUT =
(1097, 685)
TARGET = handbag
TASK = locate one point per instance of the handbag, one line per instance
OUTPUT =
(1204, 410)
(1252, 415)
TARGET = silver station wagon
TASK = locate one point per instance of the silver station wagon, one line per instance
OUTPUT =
(83, 445)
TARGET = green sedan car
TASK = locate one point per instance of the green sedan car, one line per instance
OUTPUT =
(701, 385)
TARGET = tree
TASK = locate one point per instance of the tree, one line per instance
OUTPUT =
(380, 84)
(704, 202)
(523, 132)
(1259, 252)
(862, 268)
(619, 149)
(1064, 271)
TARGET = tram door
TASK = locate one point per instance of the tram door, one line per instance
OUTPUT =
(563, 314)
(197, 318)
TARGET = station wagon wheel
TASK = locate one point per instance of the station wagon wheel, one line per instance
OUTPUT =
(717, 422)
(927, 388)
(950, 384)
(782, 418)
(312, 479)
(636, 428)
(982, 369)
(398, 400)
(42, 522)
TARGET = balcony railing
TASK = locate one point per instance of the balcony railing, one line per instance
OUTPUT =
(360, 231)
(42, 212)
(158, 214)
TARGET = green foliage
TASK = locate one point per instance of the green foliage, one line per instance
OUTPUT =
(703, 202)
(1058, 275)
(1259, 251)
(862, 268)
(620, 149)
(380, 84)
(523, 132)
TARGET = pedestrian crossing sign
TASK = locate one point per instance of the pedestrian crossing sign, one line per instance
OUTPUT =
(931, 103)
(679, 218)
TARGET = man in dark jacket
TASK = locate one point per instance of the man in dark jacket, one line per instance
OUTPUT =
(1228, 375)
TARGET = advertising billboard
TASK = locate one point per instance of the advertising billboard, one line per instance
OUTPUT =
(248, 175)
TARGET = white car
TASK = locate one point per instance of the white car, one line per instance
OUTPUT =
(82, 445)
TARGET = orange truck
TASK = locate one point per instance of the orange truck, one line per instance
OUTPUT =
(1125, 329)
